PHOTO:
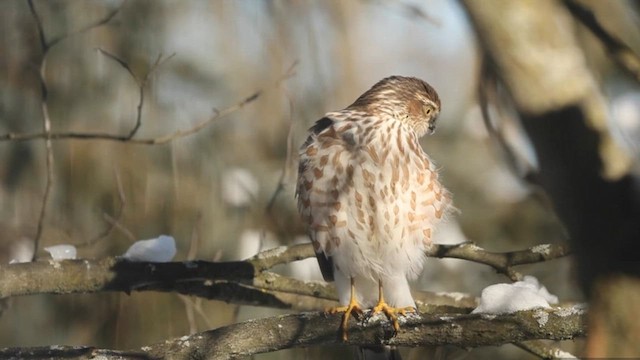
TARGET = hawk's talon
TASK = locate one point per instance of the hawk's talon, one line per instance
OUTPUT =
(391, 313)
(352, 308)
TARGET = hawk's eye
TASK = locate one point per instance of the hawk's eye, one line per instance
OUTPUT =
(429, 111)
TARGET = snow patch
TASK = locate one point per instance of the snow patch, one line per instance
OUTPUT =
(62, 252)
(522, 295)
(160, 249)
(577, 309)
(542, 317)
(543, 249)
(559, 354)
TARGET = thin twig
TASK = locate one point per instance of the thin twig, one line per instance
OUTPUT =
(44, 45)
(116, 225)
(118, 214)
(46, 127)
(46, 120)
(98, 23)
(141, 83)
(288, 162)
(149, 141)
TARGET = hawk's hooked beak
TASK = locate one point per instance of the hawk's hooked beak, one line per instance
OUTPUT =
(432, 128)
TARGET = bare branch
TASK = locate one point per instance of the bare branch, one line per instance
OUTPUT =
(621, 53)
(281, 255)
(288, 163)
(118, 214)
(142, 83)
(46, 45)
(149, 141)
(124, 64)
(116, 225)
(46, 121)
(97, 23)
(503, 263)
(242, 282)
(41, 35)
(542, 350)
(46, 130)
(46, 127)
(320, 329)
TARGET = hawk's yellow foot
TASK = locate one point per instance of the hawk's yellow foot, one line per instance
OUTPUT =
(353, 307)
(390, 312)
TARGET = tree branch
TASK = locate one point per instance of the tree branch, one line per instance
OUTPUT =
(543, 351)
(503, 263)
(620, 52)
(45, 46)
(241, 282)
(320, 329)
(141, 83)
(218, 114)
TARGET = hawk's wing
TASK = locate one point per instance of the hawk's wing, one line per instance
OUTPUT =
(309, 194)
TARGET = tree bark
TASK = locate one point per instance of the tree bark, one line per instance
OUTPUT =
(534, 51)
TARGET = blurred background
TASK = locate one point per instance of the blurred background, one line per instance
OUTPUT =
(215, 191)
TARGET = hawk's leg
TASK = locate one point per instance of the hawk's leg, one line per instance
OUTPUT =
(353, 307)
(390, 312)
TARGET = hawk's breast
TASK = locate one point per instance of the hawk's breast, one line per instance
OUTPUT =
(370, 196)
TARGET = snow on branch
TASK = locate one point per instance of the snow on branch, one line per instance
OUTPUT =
(243, 282)
(250, 282)
(317, 328)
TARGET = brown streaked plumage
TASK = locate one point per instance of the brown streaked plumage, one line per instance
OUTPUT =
(370, 196)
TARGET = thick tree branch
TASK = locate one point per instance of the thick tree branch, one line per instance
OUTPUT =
(235, 282)
(245, 282)
(585, 173)
(202, 278)
(318, 328)
(619, 51)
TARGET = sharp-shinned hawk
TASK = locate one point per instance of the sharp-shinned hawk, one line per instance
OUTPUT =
(370, 196)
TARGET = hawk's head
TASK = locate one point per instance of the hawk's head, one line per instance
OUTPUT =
(407, 99)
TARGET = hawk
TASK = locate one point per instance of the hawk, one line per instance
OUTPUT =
(370, 196)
